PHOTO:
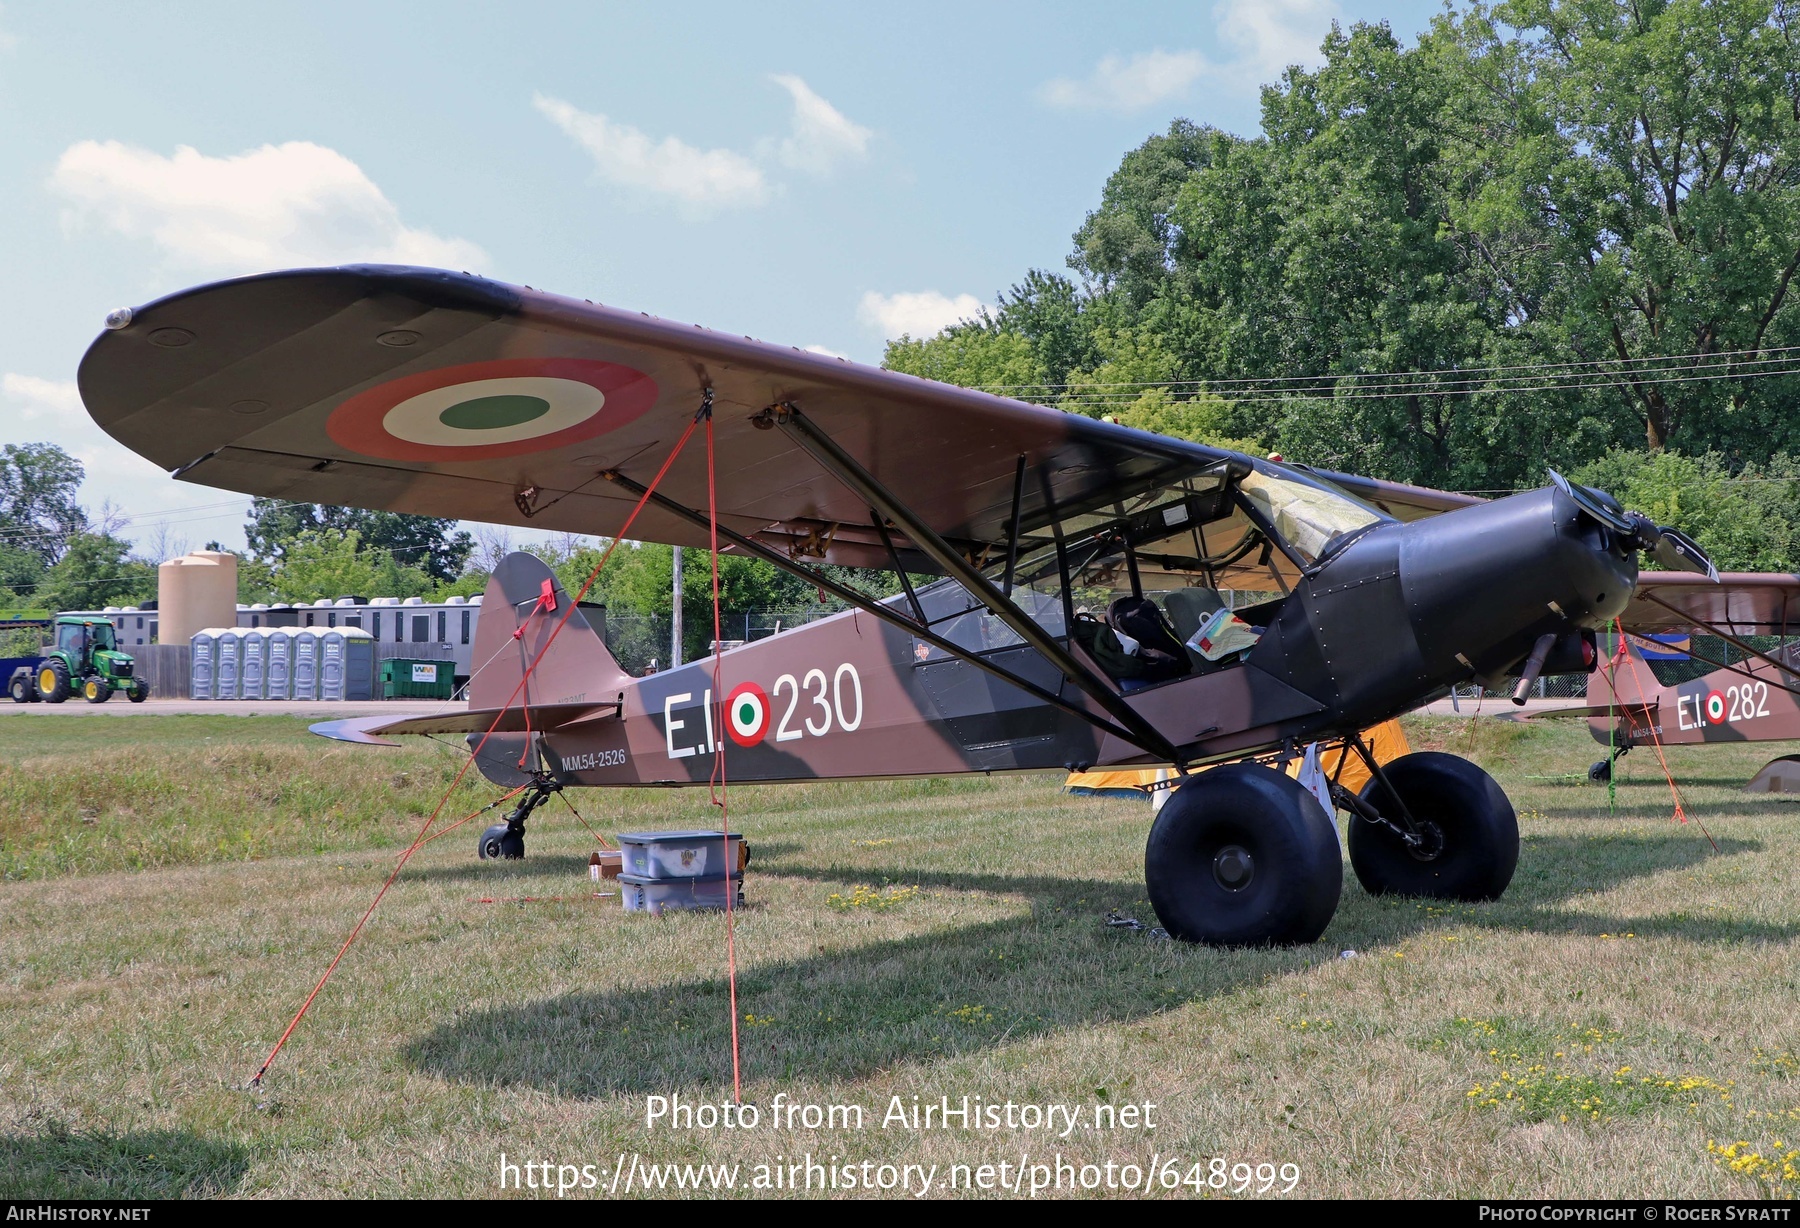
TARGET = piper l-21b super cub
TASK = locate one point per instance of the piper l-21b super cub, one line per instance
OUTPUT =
(420, 391)
(1680, 689)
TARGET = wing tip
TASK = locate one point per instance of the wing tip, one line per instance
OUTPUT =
(356, 729)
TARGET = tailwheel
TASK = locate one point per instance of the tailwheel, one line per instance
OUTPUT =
(1465, 837)
(1602, 771)
(507, 840)
(501, 841)
(1243, 856)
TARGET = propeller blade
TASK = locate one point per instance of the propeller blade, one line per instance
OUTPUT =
(1672, 549)
(1676, 551)
(1590, 501)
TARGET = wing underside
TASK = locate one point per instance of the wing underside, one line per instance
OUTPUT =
(448, 395)
(1739, 604)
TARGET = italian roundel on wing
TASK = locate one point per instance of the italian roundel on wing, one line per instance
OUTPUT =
(747, 714)
(486, 410)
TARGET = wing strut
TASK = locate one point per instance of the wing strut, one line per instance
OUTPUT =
(1729, 638)
(839, 463)
(881, 610)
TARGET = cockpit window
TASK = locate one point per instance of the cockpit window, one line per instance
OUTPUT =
(1312, 519)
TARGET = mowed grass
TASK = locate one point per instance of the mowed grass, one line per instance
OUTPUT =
(1628, 1003)
(90, 794)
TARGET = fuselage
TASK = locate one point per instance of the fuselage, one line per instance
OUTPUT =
(1390, 621)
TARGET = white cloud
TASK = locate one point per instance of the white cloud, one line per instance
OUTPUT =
(36, 399)
(38, 410)
(1263, 37)
(1269, 36)
(820, 134)
(1119, 84)
(920, 314)
(819, 137)
(698, 178)
(273, 207)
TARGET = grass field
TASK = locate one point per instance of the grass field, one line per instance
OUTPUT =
(174, 885)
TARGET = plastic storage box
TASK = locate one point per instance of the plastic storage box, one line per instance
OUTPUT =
(655, 895)
(679, 854)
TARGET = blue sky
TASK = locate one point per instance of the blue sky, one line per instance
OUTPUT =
(817, 175)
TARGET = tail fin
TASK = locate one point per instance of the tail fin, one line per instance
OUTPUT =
(523, 604)
(1622, 678)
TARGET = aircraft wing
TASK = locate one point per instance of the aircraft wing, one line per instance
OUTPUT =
(416, 390)
(1397, 499)
(1741, 603)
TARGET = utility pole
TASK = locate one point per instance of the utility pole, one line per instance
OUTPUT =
(675, 637)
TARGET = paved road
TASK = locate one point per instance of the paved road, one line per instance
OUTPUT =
(118, 705)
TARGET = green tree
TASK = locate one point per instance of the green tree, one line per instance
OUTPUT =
(95, 571)
(20, 572)
(38, 512)
(331, 563)
(1125, 245)
(1642, 197)
(429, 544)
(1745, 521)
(1610, 183)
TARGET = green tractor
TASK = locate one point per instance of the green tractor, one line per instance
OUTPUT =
(85, 658)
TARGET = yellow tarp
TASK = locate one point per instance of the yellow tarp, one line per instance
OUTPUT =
(1387, 740)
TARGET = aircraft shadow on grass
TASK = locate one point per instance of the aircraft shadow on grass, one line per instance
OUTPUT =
(61, 1163)
(848, 1012)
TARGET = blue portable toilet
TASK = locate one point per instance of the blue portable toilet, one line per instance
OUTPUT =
(278, 673)
(253, 659)
(227, 657)
(202, 656)
(306, 663)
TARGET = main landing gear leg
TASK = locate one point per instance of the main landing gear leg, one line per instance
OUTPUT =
(507, 840)
(1433, 825)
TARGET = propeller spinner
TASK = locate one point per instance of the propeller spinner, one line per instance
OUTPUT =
(1671, 549)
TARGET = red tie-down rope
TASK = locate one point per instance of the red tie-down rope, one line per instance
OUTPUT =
(1623, 651)
(716, 785)
(422, 837)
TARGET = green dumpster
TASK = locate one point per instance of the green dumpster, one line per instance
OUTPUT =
(404, 679)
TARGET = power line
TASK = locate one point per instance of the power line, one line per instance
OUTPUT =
(1538, 369)
(1102, 399)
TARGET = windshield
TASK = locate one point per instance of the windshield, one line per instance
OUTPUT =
(1312, 519)
(102, 635)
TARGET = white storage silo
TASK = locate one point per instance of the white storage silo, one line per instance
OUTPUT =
(195, 592)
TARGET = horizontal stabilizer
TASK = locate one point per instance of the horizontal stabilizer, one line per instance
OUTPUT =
(371, 730)
(1639, 712)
